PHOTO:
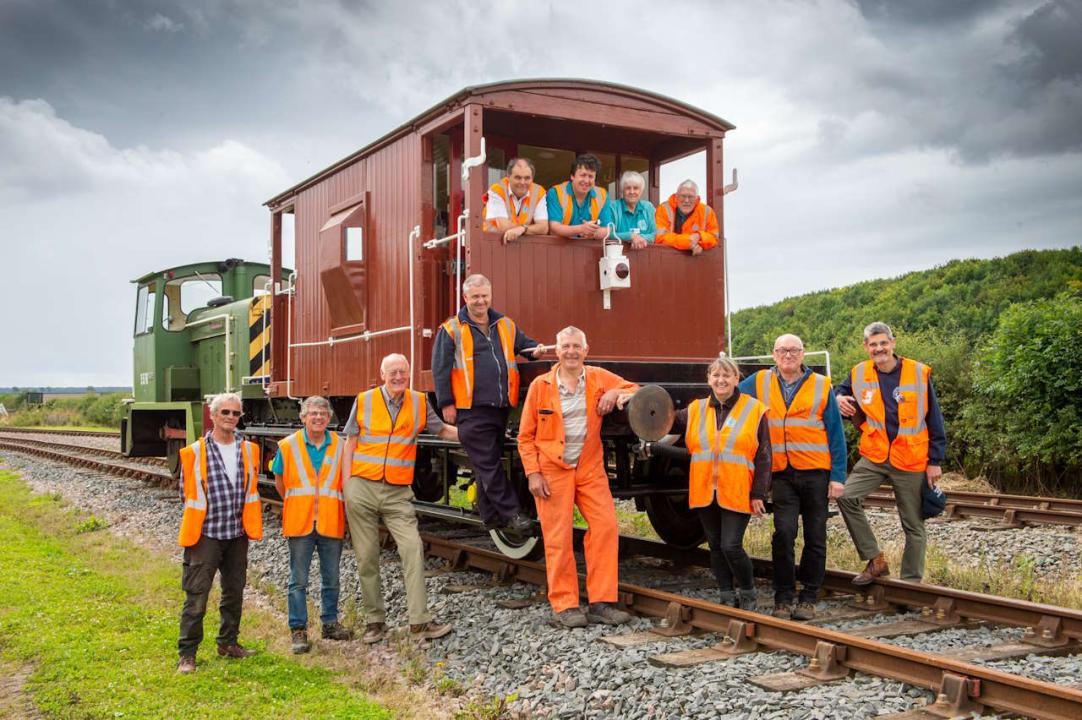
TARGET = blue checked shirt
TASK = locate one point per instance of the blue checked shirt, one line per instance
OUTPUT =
(225, 499)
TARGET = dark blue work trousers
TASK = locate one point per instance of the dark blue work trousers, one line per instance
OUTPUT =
(799, 495)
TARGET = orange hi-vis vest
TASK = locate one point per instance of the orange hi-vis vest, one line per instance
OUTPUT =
(909, 451)
(702, 220)
(311, 497)
(193, 469)
(567, 200)
(798, 435)
(524, 216)
(384, 452)
(462, 370)
(723, 461)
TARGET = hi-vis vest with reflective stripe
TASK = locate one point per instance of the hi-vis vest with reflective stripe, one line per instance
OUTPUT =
(462, 370)
(723, 461)
(798, 435)
(312, 497)
(909, 451)
(567, 202)
(383, 452)
(696, 222)
(524, 216)
(193, 468)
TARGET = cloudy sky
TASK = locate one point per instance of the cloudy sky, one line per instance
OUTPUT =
(873, 137)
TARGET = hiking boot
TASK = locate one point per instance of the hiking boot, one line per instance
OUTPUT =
(571, 618)
(520, 525)
(299, 638)
(186, 664)
(374, 632)
(876, 567)
(606, 614)
(430, 630)
(235, 651)
(804, 611)
(748, 599)
(781, 611)
(336, 631)
(728, 597)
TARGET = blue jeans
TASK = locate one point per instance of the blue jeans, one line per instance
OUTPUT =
(300, 563)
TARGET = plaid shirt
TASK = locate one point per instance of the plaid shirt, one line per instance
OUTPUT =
(225, 499)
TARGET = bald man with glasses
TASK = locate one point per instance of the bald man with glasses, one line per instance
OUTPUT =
(809, 465)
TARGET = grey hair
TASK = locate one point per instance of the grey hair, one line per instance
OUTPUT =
(393, 356)
(632, 175)
(688, 183)
(314, 402)
(878, 328)
(217, 401)
(475, 280)
(516, 160)
(723, 362)
(571, 330)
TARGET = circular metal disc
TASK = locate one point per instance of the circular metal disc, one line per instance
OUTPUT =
(650, 413)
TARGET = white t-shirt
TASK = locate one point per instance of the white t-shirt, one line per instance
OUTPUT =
(229, 459)
(496, 208)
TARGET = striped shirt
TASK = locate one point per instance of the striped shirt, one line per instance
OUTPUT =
(225, 497)
(573, 409)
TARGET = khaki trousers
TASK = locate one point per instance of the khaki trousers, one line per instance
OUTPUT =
(864, 480)
(367, 501)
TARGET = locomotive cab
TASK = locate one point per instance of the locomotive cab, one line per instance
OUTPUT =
(199, 330)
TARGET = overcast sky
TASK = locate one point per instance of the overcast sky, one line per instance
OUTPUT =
(872, 138)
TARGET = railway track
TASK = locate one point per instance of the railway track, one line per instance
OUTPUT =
(962, 686)
(73, 433)
(1011, 511)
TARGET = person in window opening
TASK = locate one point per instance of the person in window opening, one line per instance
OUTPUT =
(685, 222)
(222, 512)
(902, 442)
(516, 205)
(307, 474)
(477, 384)
(728, 438)
(377, 474)
(574, 207)
(631, 218)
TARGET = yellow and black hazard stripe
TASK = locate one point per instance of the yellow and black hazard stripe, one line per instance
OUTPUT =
(259, 335)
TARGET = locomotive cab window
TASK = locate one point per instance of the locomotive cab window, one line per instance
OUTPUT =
(183, 295)
(144, 309)
(261, 285)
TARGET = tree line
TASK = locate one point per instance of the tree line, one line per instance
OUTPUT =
(1003, 338)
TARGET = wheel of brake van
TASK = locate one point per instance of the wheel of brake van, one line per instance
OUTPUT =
(674, 521)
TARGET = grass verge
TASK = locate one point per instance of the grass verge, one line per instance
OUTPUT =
(93, 619)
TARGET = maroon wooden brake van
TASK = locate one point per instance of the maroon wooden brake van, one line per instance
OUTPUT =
(366, 285)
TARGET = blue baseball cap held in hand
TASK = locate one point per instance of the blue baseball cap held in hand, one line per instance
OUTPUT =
(932, 501)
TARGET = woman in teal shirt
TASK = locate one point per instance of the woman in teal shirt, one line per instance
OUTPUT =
(631, 218)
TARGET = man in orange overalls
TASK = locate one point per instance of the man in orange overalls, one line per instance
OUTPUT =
(559, 441)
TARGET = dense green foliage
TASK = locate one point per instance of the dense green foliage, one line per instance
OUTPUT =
(94, 618)
(1001, 336)
(89, 410)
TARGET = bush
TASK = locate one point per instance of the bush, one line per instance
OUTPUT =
(1028, 383)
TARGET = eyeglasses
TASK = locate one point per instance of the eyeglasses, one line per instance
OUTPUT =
(231, 413)
(788, 351)
(686, 197)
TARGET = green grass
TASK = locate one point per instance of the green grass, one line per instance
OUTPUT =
(95, 619)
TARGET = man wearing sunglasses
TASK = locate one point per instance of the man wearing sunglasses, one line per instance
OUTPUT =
(808, 444)
(222, 512)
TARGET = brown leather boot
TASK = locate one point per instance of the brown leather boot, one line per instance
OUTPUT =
(877, 567)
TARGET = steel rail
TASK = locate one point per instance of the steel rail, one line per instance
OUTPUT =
(40, 431)
(1049, 625)
(998, 690)
(1010, 510)
(106, 467)
(101, 452)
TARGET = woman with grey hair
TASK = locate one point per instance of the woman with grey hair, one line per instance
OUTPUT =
(728, 438)
(631, 218)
